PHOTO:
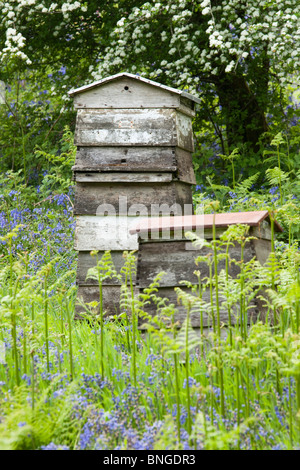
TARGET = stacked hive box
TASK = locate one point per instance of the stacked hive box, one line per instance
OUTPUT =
(134, 143)
(164, 247)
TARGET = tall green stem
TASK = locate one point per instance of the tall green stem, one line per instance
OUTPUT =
(70, 341)
(211, 297)
(243, 321)
(46, 321)
(273, 267)
(101, 328)
(280, 190)
(228, 308)
(216, 279)
(187, 364)
(176, 385)
(133, 328)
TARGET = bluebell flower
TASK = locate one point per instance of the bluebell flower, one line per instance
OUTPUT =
(150, 359)
(192, 382)
(62, 70)
(22, 424)
(273, 190)
(53, 446)
(277, 447)
(27, 379)
(59, 393)
(13, 192)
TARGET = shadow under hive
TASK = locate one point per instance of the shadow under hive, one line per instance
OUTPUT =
(134, 142)
(164, 247)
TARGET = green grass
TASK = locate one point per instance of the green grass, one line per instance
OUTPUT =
(105, 385)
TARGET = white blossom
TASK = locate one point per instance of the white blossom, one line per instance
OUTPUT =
(206, 11)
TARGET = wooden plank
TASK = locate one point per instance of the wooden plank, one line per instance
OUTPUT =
(180, 264)
(181, 313)
(262, 249)
(263, 231)
(104, 233)
(86, 261)
(126, 92)
(170, 235)
(131, 198)
(185, 169)
(137, 127)
(187, 106)
(136, 159)
(92, 177)
(111, 304)
(184, 132)
(142, 127)
(111, 299)
(185, 97)
(126, 159)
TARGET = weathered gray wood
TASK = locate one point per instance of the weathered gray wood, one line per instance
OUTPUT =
(111, 305)
(136, 159)
(138, 127)
(147, 198)
(111, 299)
(126, 159)
(126, 93)
(104, 233)
(118, 89)
(185, 170)
(93, 177)
(262, 249)
(179, 263)
(263, 231)
(187, 106)
(184, 132)
(86, 261)
(208, 314)
(179, 234)
(205, 233)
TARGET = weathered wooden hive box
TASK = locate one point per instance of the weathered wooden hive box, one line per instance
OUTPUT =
(134, 142)
(163, 246)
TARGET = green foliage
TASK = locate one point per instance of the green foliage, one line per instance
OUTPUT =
(101, 383)
(237, 68)
(187, 373)
(58, 165)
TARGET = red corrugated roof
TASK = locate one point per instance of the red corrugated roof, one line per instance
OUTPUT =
(192, 222)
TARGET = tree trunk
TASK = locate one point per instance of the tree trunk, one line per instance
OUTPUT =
(244, 116)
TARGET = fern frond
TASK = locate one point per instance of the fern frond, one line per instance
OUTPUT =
(245, 186)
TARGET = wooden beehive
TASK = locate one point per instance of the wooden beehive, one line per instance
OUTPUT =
(134, 144)
(164, 247)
